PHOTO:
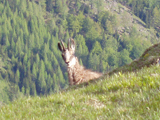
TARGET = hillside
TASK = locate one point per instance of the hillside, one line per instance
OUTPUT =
(151, 56)
(108, 34)
(129, 95)
(128, 20)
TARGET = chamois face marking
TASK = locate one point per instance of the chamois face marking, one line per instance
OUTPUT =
(67, 53)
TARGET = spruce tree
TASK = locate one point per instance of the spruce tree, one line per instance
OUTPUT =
(17, 77)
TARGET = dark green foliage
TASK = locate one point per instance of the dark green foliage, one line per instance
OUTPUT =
(124, 57)
(49, 5)
(58, 6)
(26, 41)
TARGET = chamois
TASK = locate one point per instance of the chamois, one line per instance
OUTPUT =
(77, 74)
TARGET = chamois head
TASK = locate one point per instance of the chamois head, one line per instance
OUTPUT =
(67, 53)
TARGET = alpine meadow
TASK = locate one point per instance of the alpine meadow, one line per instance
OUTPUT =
(119, 38)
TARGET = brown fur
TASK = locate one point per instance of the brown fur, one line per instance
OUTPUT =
(77, 74)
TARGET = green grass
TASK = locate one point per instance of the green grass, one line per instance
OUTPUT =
(134, 95)
(128, 92)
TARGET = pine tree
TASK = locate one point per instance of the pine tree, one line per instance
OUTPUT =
(87, 24)
(90, 61)
(13, 45)
(49, 84)
(49, 5)
(56, 83)
(43, 4)
(80, 18)
(7, 44)
(112, 57)
(58, 6)
(55, 63)
(41, 83)
(26, 86)
(25, 60)
(33, 89)
(22, 6)
(99, 5)
(61, 78)
(25, 30)
(34, 70)
(66, 37)
(96, 48)
(79, 50)
(64, 10)
(17, 76)
(124, 56)
(109, 27)
(156, 18)
(8, 10)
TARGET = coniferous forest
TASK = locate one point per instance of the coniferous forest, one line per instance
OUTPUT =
(108, 34)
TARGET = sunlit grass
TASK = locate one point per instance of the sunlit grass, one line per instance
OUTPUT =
(134, 95)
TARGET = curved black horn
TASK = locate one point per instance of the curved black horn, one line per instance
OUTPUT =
(62, 45)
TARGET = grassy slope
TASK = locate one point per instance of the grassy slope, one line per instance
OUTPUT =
(128, 95)
(149, 57)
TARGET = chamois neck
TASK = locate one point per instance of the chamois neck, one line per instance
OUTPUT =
(72, 62)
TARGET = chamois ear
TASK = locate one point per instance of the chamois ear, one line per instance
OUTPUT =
(59, 46)
(62, 45)
(73, 45)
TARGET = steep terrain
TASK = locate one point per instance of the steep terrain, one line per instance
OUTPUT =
(127, 20)
(107, 35)
(151, 56)
(129, 95)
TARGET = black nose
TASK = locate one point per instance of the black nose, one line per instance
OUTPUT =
(67, 63)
